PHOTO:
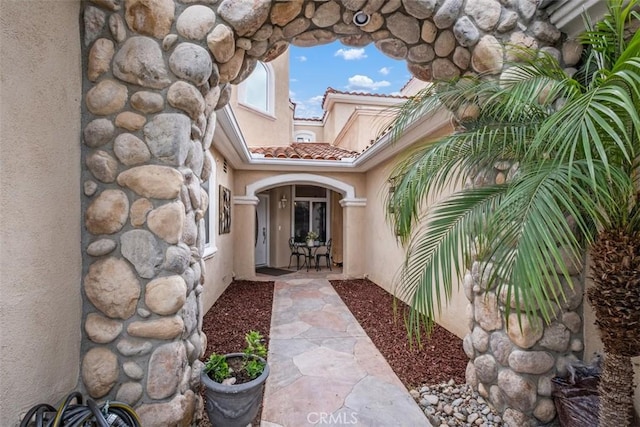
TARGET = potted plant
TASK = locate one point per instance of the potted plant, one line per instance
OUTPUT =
(234, 383)
(312, 236)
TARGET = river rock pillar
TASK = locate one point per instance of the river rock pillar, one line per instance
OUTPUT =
(150, 94)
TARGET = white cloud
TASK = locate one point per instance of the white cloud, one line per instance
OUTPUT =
(363, 82)
(309, 108)
(351, 54)
(302, 58)
(384, 70)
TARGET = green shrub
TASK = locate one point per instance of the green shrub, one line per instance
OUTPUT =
(217, 368)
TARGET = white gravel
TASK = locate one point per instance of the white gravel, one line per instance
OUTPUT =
(451, 404)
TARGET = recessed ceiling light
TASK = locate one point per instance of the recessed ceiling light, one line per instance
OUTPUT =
(361, 19)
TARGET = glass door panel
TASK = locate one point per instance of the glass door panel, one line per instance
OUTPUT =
(301, 220)
(319, 219)
(311, 209)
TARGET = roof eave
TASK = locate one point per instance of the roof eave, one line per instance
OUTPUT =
(231, 144)
(567, 15)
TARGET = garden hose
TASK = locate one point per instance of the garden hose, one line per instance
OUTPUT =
(40, 411)
(96, 413)
(79, 414)
(63, 408)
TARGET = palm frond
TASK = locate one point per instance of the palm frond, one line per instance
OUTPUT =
(595, 124)
(537, 78)
(448, 163)
(442, 250)
(605, 41)
(530, 234)
(577, 143)
(606, 38)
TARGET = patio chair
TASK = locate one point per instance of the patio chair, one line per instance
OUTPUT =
(296, 251)
(325, 254)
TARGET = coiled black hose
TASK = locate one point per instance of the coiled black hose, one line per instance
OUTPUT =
(69, 414)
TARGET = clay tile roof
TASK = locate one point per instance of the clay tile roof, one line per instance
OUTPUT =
(305, 150)
(340, 92)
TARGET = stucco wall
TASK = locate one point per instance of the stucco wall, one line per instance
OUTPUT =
(40, 264)
(317, 128)
(261, 129)
(385, 254)
(365, 125)
(280, 223)
(338, 115)
(219, 266)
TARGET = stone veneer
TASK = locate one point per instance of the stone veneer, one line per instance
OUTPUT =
(512, 361)
(156, 71)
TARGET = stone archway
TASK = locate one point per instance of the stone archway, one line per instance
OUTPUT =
(156, 72)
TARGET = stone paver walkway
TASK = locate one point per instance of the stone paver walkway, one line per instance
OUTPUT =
(325, 370)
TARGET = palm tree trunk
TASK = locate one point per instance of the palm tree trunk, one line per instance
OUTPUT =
(616, 301)
(616, 391)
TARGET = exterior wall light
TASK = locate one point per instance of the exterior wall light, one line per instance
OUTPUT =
(361, 19)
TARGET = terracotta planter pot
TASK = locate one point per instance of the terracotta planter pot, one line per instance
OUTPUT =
(234, 405)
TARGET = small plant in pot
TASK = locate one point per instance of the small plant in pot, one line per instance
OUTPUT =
(234, 383)
(312, 236)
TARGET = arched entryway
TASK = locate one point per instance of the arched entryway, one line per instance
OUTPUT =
(156, 73)
(351, 208)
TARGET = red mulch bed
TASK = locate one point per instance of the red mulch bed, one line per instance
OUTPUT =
(441, 357)
(244, 306)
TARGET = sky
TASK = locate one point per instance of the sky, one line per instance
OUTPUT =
(344, 68)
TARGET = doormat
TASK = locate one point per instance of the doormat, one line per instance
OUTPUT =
(272, 271)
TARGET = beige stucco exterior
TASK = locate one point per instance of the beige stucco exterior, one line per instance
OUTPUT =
(385, 254)
(40, 261)
(274, 128)
(313, 126)
(352, 121)
(363, 240)
(219, 265)
(364, 124)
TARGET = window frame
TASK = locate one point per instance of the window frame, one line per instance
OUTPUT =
(270, 91)
(304, 134)
(210, 245)
(311, 200)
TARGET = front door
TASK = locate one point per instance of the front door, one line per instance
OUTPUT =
(262, 231)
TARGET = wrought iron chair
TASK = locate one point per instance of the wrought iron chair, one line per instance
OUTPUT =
(297, 252)
(326, 254)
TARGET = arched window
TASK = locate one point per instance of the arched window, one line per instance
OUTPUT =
(304, 136)
(257, 91)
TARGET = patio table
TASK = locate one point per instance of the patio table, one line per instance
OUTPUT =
(310, 251)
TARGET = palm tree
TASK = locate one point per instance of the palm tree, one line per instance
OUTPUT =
(574, 142)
